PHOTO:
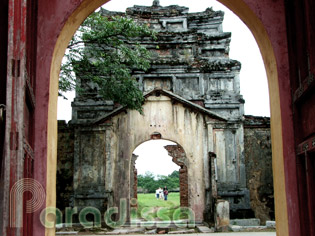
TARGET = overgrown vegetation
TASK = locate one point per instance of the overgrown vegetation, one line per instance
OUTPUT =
(103, 53)
(148, 183)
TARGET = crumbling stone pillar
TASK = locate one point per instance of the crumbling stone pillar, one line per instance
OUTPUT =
(231, 175)
(213, 175)
(212, 192)
(133, 177)
(90, 167)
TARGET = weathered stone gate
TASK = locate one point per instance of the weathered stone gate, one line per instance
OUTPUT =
(192, 94)
(103, 153)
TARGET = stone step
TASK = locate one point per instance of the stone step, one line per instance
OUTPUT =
(271, 224)
(124, 231)
(245, 222)
(238, 228)
(67, 233)
(205, 229)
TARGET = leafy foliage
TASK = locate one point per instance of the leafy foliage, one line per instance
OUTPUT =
(149, 183)
(105, 51)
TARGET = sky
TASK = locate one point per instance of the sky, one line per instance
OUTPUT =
(243, 48)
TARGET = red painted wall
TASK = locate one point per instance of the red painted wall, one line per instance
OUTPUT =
(3, 62)
(52, 15)
(272, 15)
(301, 36)
(3, 75)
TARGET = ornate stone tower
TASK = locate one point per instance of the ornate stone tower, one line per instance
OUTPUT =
(190, 59)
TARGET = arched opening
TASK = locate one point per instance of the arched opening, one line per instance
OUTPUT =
(262, 38)
(151, 157)
(261, 202)
(158, 165)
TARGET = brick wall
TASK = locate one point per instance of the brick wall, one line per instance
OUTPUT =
(133, 177)
(178, 156)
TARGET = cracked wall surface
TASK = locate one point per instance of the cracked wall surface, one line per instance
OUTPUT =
(258, 161)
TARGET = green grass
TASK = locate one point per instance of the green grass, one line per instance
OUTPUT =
(147, 203)
(149, 200)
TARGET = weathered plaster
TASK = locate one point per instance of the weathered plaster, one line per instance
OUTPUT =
(174, 122)
(259, 181)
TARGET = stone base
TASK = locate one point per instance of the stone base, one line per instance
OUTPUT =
(245, 222)
(222, 215)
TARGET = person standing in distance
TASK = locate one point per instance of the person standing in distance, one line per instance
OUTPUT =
(165, 191)
(157, 192)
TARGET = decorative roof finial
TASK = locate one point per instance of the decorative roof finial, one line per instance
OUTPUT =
(156, 3)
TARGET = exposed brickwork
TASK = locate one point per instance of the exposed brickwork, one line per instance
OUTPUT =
(135, 173)
(183, 186)
(133, 177)
(178, 156)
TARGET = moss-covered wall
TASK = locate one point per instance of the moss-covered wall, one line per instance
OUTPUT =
(258, 161)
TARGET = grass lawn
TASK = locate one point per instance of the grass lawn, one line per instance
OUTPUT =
(149, 200)
(153, 208)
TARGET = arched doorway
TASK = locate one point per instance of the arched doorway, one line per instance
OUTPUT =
(163, 118)
(161, 157)
(258, 30)
(156, 166)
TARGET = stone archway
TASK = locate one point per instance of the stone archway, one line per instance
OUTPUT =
(81, 11)
(178, 157)
(103, 151)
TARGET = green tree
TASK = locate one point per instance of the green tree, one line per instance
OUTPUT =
(175, 174)
(105, 51)
(149, 183)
